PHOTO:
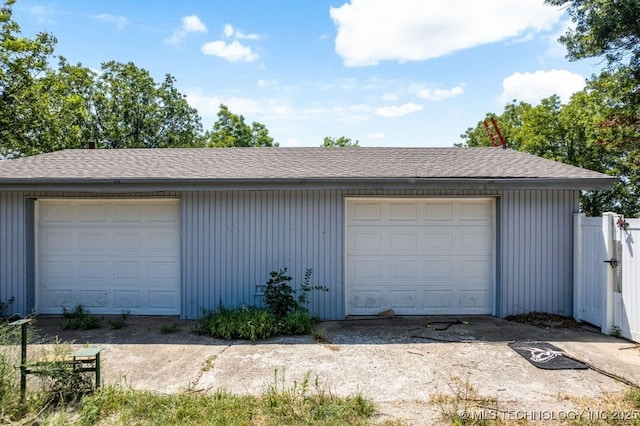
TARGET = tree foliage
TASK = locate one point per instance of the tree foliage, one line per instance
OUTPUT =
(23, 62)
(574, 133)
(46, 108)
(131, 110)
(341, 141)
(230, 130)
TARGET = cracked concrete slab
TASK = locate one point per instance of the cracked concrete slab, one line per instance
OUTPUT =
(401, 363)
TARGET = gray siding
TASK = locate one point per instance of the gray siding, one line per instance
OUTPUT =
(13, 260)
(231, 240)
(536, 230)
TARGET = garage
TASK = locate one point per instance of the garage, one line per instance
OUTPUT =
(421, 256)
(108, 255)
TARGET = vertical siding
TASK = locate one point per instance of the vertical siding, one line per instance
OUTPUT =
(537, 251)
(12, 252)
(231, 240)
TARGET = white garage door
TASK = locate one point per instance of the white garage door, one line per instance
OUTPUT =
(109, 256)
(420, 256)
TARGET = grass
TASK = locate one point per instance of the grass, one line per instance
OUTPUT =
(251, 323)
(297, 405)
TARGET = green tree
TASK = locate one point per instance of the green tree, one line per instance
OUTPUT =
(131, 110)
(575, 134)
(47, 108)
(341, 141)
(603, 28)
(22, 63)
(230, 130)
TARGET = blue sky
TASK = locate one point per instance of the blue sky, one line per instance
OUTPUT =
(383, 72)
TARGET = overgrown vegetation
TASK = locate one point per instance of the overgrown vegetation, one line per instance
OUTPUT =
(169, 328)
(119, 322)
(279, 295)
(9, 337)
(79, 319)
(285, 313)
(5, 305)
(301, 404)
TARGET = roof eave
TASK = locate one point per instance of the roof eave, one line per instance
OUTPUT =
(161, 184)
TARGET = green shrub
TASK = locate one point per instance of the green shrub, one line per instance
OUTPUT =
(279, 295)
(79, 319)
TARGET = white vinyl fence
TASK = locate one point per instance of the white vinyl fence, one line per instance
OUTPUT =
(607, 273)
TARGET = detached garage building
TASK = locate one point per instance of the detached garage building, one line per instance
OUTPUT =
(177, 231)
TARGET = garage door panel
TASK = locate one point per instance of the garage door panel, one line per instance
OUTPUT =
(91, 213)
(403, 212)
(434, 256)
(126, 213)
(366, 211)
(476, 212)
(438, 240)
(93, 299)
(125, 260)
(437, 212)
(159, 214)
(91, 240)
(56, 213)
(366, 300)
(93, 270)
(162, 300)
(367, 240)
(162, 271)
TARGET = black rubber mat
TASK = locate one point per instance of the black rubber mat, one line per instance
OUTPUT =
(546, 356)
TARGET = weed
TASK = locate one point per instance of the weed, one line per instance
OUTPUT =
(9, 357)
(119, 322)
(294, 406)
(79, 319)
(251, 323)
(4, 305)
(244, 322)
(458, 408)
(279, 295)
(615, 331)
(169, 328)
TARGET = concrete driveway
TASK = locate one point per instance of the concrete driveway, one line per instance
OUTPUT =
(401, 363)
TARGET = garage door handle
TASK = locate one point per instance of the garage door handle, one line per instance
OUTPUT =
(612, 262)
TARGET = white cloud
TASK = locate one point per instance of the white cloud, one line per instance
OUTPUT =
(370, 31)
(229, 31)
(375, 136)
(190, 24)
(389, 97)
(193, 24)
(398, 110)
(439, 94)
(532, 87)
(232, 52)
(120, 22)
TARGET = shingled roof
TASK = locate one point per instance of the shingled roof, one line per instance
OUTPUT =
(290, 164)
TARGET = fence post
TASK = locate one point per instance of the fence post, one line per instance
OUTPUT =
(578, 259)
(608, 230)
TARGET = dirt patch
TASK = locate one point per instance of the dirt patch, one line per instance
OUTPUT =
(545, 320)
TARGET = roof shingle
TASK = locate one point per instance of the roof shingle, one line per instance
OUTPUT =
(287, 164)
